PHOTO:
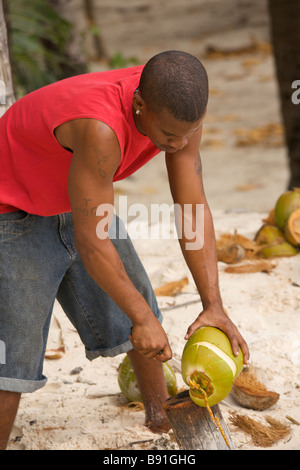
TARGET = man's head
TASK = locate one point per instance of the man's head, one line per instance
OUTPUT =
(175, 81)
(170, 103)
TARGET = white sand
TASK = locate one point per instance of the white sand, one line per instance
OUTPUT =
(86, 410)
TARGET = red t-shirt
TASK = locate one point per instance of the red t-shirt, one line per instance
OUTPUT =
(34, 166)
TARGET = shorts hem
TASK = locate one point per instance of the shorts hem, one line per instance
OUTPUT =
(116, 350)
(112, 352)
(9, 384)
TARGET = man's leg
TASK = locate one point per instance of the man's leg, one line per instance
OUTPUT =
(32, 263)
(104, 329)
(9, 403)
(152, 385)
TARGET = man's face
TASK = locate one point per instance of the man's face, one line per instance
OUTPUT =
(167, 133)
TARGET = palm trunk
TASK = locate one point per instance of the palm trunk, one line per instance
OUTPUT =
(285, 31)
(6, 85)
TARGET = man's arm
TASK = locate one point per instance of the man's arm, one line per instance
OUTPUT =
(96, 156)
(185, 177)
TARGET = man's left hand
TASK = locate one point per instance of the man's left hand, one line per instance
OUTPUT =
(216, 317)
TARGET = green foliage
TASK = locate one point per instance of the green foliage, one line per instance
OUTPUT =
(38, 39)
(118, 61)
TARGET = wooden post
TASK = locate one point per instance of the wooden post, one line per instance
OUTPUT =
(193, 427)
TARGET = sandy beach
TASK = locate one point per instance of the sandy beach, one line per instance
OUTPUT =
(245, 170)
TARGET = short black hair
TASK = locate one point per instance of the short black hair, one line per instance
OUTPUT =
(176, 81)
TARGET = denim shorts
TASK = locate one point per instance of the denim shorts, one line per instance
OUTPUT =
(38, 264)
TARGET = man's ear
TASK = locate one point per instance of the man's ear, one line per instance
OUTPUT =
(138, 102)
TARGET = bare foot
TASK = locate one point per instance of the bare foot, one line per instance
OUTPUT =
(157, 421)
(152, 385)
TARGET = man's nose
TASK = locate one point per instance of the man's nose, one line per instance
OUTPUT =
(178, 143)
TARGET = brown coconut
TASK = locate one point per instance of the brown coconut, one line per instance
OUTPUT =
(292, 228)
(231, 254)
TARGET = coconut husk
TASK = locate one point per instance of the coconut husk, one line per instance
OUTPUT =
(262, 435)
(232, 248)
(231, 254)
(293, 420)
(292, 228)
(269, 242)
(249, 392)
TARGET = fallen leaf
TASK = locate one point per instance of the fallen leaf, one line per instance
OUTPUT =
(270, 218)
(56, 347)
(214, 143)
(253, 266)
(248, 187)
(171, 288)
(251, 62)
(149, 190)
(55, 353)
(270, 135)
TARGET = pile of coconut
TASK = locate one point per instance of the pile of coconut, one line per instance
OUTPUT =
(278, 236)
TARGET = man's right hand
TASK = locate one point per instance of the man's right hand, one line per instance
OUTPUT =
(149, 339)
(96, 156)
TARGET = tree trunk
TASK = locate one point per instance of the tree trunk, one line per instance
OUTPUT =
(75, 60)
(285, 33)
(97, 38)
(6, 86)
(193, 427)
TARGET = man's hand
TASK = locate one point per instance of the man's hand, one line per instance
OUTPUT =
(150, 340)
(217, 318)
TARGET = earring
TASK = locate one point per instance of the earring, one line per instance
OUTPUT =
(138, 111)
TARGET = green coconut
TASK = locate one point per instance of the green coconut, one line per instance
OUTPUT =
(208, 363)
(287, 203)
(128, 383)
(273, 242)
(269, 234)
(277, 250)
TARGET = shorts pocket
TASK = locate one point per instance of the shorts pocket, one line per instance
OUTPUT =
(14, 224)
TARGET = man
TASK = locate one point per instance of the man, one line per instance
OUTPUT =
(62, 148)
